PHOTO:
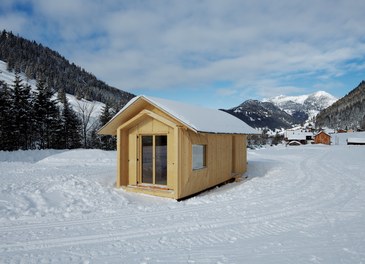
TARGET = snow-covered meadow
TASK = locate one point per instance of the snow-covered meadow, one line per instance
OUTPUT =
(300, 204)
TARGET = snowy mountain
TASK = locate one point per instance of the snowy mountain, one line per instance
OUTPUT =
(262, 115)
(310, 104)
(282, 111)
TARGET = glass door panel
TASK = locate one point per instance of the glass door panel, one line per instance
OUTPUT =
(161, 160)
(147, 159)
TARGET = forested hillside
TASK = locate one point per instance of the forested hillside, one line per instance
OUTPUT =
(347, 113)
(262, 115)
(39, 62)
(36, 86)
(33, 118)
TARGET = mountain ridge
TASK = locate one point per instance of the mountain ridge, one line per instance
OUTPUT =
(346, 113)
(282, 112)
(311, 104)
(39, 62)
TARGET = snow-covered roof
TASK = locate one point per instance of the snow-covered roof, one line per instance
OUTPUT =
(196, 118)
(356, 140)
(322, 132)
(297, 135)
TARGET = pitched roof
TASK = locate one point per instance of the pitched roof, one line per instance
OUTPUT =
(322, 132)
(196, 118)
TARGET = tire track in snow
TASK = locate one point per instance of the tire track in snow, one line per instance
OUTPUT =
(333, 190)
(211, 232)
(235, 231)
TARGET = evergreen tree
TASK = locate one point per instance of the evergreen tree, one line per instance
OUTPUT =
(94, 139)
(47, 118)
(71, 124)
(106, 142)
(22, 114)
(6, 118)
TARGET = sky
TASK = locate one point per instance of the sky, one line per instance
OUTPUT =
(214, 53)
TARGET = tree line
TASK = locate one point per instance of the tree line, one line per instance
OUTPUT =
(40, 120)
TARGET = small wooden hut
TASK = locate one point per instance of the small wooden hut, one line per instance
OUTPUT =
(322, 138)
(175, 150)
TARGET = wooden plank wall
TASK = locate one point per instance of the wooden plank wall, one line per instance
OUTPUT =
(122, 158)
(221, 151)
(239, 156)
(150, 126)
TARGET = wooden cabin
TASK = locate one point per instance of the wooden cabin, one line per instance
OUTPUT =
(322, 138)
(175, 150)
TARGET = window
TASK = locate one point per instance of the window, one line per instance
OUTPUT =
(199, 157)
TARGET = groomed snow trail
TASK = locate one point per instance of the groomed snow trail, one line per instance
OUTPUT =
(299, 205)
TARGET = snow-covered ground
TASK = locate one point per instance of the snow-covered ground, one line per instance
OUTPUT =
(300, 204)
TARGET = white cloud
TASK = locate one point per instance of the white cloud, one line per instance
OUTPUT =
(261, 47)
(13, 22)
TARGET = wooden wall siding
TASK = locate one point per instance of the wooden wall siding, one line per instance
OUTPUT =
(133, 156)
(322, 138)
(219, 153)
(239, 157)
(122, 158)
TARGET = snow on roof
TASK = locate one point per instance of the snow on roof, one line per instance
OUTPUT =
(198, 118)
(356, 140)
(297, 135)
(322, 132)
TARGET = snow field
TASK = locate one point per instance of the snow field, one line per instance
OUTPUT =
(299, 205)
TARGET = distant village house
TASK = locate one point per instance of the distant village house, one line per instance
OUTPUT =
(322, 138)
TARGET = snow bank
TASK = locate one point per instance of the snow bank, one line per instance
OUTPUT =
(26, 155)
(57, 184)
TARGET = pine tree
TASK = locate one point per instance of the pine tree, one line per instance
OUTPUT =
(47, 118)
(71, 124)
(6, 118)
(94, 139)
(106, 142)
(22, 114)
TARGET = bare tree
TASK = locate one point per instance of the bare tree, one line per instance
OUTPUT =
(85, 110)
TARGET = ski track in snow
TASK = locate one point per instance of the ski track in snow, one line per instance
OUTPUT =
(299, 205)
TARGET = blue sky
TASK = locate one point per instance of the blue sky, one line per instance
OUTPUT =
(211, 52)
